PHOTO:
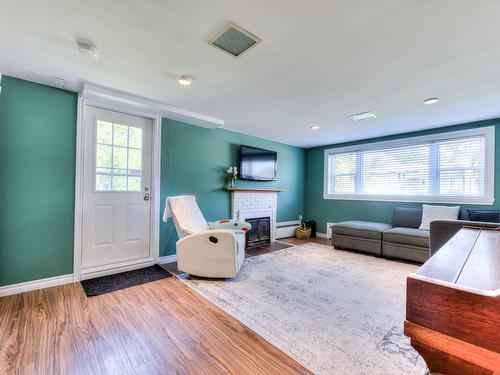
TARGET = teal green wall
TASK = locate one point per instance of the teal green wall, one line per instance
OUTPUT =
(37, 173)
(193, 160)
(37, 159)
(37, 176)
(330, 210)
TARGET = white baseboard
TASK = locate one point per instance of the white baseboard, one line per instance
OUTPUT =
(35, 284)
(167, 259)
(321, 235)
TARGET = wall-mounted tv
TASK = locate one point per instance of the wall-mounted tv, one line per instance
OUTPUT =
(257, 164)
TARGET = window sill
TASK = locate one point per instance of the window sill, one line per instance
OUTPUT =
(487, 201)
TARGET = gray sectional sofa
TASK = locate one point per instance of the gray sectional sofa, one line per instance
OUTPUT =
(402, 239)
(405, 240)
(364, 236)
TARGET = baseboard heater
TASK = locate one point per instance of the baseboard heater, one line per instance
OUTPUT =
(286, 228)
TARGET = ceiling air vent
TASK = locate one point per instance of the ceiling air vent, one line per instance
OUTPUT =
(363, 116)
(233, 40)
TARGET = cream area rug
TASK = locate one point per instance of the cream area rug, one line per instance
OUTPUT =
(333, 311)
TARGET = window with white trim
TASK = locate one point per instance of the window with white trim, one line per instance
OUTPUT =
(452, 167)
(118, 157)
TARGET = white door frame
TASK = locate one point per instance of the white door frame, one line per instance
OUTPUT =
(132, 105)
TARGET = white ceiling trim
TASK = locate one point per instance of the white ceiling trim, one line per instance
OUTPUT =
(104, 94)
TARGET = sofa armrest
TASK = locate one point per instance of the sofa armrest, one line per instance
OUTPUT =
(441, 231)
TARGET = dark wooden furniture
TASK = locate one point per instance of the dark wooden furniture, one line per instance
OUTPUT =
(453, 305)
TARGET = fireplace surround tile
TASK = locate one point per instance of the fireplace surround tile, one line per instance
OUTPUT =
(248, 204)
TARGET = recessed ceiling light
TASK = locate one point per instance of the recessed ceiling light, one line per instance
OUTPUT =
(185, 80)
(431, 100)
(315, 127)
(87, 48)
(363, 116)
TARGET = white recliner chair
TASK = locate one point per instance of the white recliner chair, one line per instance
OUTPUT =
(215, 249)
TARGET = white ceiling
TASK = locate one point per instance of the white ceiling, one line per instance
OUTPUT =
(319, 61)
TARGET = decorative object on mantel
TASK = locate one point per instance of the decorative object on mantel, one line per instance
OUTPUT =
(231, 176)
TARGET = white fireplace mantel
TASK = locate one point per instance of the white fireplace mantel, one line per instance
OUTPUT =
(263, 190)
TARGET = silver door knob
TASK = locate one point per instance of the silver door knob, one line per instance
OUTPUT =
(146, 196)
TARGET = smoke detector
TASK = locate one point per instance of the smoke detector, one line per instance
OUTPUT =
(233, 39)
(87, 48)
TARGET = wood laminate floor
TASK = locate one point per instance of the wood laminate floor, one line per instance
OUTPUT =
(162, 327)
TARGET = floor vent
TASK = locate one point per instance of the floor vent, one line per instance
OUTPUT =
(233, 39)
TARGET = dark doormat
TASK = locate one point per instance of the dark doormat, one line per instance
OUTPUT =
(111, 283)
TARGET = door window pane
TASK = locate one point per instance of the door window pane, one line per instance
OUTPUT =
(120, 135)
(118, 157)
(135, 137)
(134, 159)
(119, 182)
(103, 182)
(104, 156)
(104, 132)
(134, 183)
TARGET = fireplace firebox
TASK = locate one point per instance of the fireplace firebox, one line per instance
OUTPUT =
(260, 233)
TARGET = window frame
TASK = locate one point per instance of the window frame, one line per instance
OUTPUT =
(112, 168)
(489, 168)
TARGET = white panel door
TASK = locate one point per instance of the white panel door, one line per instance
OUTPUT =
(116, 194)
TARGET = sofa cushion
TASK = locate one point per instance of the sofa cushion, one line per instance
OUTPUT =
(407, 236)
(362, 229)
(487, 216)
(408, 217)
(431, 213)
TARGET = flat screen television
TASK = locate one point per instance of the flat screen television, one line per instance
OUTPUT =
(257, 164)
